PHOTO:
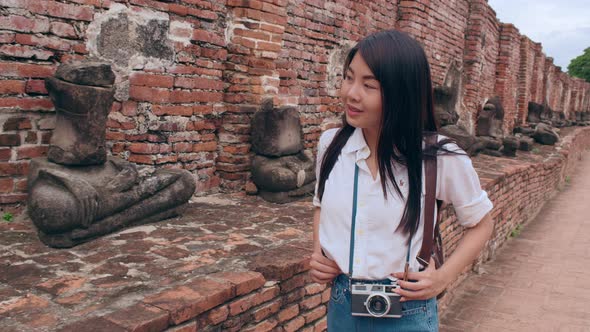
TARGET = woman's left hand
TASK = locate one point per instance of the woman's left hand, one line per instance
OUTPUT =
(425, 285)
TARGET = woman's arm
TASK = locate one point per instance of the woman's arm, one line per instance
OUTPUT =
(322, 269)
(431, 281)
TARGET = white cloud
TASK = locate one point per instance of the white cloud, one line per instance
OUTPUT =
(563, 27)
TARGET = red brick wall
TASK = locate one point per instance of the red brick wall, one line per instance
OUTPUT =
(525, 78)
(507, 72)
(194, 112)
(538, 85)
(566, 93)
(316, 37)
(440, 27)
(552, 87)
(481, 53)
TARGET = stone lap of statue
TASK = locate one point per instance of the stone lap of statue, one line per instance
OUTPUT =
(79, 193)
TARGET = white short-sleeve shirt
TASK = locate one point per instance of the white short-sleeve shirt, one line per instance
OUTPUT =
(379, 250)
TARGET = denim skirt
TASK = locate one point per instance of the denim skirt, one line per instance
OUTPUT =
(420, 315)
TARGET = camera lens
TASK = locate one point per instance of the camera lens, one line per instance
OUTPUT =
(377, 305)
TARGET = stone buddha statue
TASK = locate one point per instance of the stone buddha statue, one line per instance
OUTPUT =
(78, 193)
(282, 171)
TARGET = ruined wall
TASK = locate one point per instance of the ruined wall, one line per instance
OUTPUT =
(551, 89)
(507, 73)
(480, 60)
(525, 78)
(191, 73)
(538, 81)
(439, 26)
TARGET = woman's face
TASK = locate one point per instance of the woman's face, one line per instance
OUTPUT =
(361, 94)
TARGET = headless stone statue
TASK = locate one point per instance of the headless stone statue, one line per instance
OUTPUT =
(489, 120)
(281, 170)
(79, 193)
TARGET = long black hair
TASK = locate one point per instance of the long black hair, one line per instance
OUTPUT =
(400, 65)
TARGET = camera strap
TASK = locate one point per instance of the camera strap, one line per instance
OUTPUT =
(353, 226)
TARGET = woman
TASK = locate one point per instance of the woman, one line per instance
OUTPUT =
(387, 94)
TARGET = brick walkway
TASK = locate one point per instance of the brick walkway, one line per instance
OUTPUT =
(540, 280)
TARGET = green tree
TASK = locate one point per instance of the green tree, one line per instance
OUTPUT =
(580, 66)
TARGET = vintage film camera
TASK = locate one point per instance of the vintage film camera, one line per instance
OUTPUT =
(375, 300)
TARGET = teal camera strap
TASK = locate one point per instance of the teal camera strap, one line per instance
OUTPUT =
(353, 229)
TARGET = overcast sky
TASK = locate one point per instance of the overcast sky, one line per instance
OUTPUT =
(562, 26)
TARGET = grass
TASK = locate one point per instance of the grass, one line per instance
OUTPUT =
(516, 231)
(7, 217)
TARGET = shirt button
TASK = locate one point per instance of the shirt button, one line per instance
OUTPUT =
(357, 261)
(362, 203)
(360, 232)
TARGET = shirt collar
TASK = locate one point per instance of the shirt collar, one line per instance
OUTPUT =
(356, 143)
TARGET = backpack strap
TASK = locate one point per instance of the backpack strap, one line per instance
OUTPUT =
(429, 202)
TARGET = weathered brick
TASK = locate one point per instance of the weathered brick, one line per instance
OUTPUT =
(321, 325)
(280, 263)
(266, 310)
(6, 185)
(35, 87)
(54, 43)
(288, 313)
(5, 154)
(203, 14)
(326, 295)
(92, 324)
(7, 37)
(25, 69)
(17, 123)
(218, 315)
(31, 137)
(184, 96)
(140, 317)
(9, 139)
(314, 314)
(63, 10)
(245, 282)
(12, 87)
(182, 147)
(208, 146)
(246, 302)
(310, 302)
(80, 49)
(314, 288)
(27, 104)
(294, 324)
(264, 326)
(154, 95)
(198, 83)
(62, 285)
(172, 110)
(149, 148)
(28, 152)
(62, 29)
(25, 52)
(12, 198)
(187, 327)
(20, 186)
(151, 80)
(187, 301)
(296, 281)
(208, 37)
(141, 159)
(24, 24)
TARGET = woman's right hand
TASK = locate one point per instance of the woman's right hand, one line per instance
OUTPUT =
(323, 269)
